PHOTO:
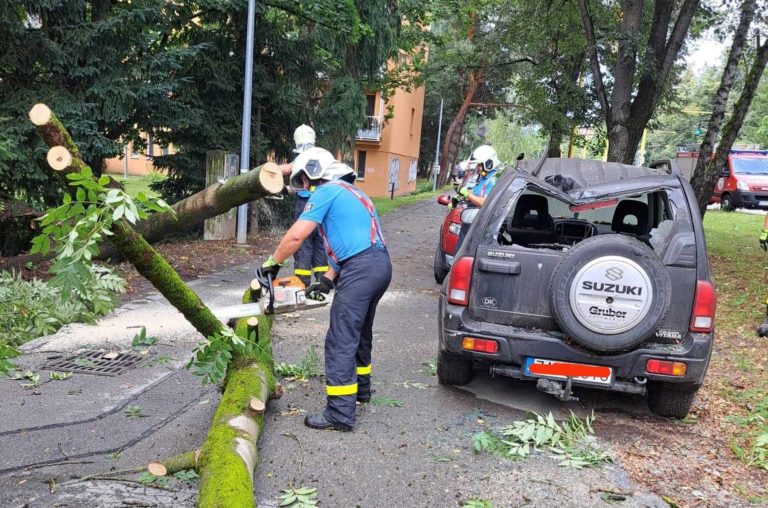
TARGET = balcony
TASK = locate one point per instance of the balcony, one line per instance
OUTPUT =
(371, 130)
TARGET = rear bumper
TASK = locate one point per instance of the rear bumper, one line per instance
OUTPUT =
(517, 344)
(744, 199)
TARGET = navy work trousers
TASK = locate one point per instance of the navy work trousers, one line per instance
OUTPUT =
(311, 257)
(362, 281)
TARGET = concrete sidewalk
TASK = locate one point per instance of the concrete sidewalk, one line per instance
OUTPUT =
(415, 454)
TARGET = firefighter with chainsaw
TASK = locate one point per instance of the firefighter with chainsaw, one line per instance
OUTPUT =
(488, 166)
(762, 330)
(360, 273)
(310, 259)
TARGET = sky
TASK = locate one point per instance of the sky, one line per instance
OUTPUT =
(706, 51)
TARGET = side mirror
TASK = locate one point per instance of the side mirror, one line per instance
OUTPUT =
(468, 215)
(444, 199)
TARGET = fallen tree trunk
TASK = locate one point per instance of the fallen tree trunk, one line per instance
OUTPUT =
(228, 456)
(265, 180)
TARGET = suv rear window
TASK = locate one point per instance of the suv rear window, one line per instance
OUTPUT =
(538, 220)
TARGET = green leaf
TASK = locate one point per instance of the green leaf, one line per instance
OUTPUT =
(118, 213)
(80, 194)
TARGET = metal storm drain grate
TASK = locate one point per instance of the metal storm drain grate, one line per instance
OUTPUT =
(96, 362)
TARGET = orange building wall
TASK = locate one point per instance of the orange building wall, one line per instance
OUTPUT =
(400, 139)
(138, 164)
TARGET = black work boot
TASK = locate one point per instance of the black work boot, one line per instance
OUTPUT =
(364, 397)
(319, 421)
(762, 330)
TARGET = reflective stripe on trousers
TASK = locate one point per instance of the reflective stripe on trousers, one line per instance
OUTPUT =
(362, 281)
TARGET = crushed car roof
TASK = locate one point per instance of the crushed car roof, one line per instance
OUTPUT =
(582, 179)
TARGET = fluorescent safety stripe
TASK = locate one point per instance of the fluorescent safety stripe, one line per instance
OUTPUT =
(321, 268)
(341, 390)
(301, 271)
(364, 371)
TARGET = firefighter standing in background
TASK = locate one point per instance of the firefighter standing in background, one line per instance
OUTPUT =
(311, 257)
(762, 330)
(360, 273)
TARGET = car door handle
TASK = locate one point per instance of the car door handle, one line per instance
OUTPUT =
(493, 266)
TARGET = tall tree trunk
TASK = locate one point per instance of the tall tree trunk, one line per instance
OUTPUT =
(625, 117)
(703, 181)
(733, 126)
(453, 137)
(555, 140)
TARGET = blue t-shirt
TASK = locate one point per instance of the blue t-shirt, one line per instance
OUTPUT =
(344, 219)
(484, 185)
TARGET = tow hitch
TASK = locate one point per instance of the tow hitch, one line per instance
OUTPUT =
(561, 390)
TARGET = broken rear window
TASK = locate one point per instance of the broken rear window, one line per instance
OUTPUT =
(539, 220)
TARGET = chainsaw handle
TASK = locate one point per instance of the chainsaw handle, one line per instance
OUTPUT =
(271, 293)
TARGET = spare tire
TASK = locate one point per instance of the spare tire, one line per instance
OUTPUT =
(610, 292)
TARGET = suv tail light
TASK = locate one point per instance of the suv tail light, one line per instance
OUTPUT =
(458, 283)
(703, 316)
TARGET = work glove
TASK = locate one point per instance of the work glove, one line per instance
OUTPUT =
(464, 192)
(319, 290)
(764, 239)
(270, 267)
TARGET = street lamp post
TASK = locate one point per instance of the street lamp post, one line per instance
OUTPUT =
(245, 143)
(437, 148)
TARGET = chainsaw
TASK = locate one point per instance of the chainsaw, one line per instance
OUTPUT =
(278, 296)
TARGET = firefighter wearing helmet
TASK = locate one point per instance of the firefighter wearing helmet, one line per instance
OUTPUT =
(485, 161)
(310, 259)
(360, 272)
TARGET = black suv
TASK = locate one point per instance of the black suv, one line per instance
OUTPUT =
(583, 273)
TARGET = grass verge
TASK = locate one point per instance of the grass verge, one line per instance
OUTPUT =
(738, 371)
(385, 205)
(135, 184)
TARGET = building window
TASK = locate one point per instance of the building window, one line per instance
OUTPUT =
(164, 151)
(134, 152)
(360, 167)
(370, 105)
(413, 118)
(150, 146)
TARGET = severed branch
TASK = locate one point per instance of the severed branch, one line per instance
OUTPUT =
(228, 456)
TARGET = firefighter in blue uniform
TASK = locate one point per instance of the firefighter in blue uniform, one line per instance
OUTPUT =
(310, 259)
(360, 272)
(485, 161)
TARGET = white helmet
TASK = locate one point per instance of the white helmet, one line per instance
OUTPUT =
(485, 155)
(304, 138)
(340, 171)
(314, 163)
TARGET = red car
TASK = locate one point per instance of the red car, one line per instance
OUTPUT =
(449, 231)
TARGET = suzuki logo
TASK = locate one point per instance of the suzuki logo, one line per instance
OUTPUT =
(489, 302)
(614, 274)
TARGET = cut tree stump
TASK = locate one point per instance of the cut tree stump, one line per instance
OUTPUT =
(228, 457)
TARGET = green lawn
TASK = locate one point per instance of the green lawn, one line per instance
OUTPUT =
(423, 192)
(738, 374)
(135, 184)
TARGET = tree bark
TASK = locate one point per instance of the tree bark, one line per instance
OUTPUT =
(733, 126)
(704, 177)
(555, 140)
(452, 141)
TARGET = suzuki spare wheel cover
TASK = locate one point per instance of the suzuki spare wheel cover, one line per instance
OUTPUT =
(611, 294)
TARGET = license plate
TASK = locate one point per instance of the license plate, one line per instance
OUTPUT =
(580, 372)
(762, 203)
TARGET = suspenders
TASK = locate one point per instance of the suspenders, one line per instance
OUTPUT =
(366, 202)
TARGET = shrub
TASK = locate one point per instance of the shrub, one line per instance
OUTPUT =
(30, 309)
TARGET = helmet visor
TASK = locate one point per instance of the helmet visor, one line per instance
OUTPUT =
(313, 169)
